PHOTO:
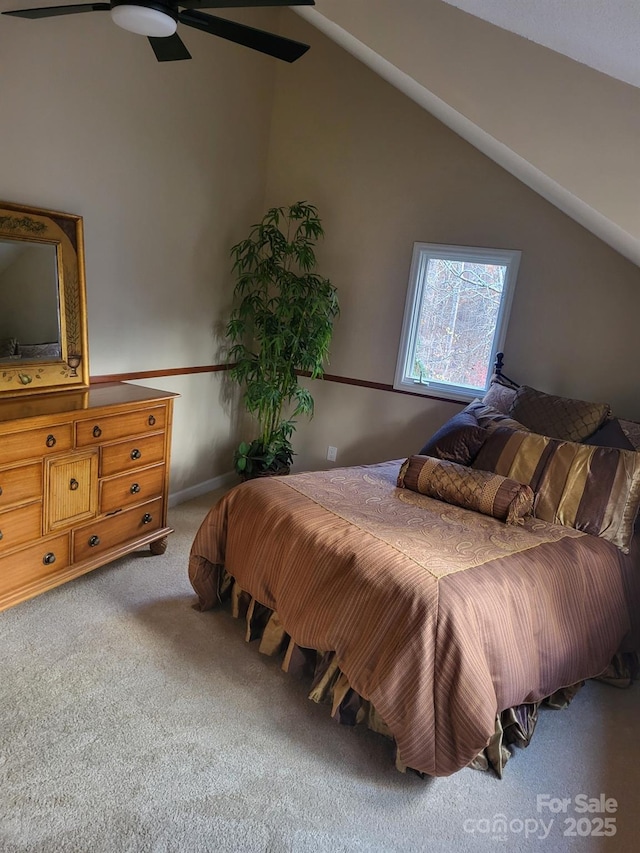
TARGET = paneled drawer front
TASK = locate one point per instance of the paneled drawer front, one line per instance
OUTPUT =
(19, 484)
(131, 488)
(93, 539)
(33, 563)
(131, 454)
(112, 428)
(20, 525)
(72, 489)
(34, 443)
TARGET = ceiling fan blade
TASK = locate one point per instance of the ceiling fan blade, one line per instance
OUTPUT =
(241, 4)
(53, 11)
(169, 49)
(278, 46)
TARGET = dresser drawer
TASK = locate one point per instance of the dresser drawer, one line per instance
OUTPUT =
(20, 525)
(72, 489)
(92, 539)
(131, 454)
(34, 563)
(35, 443)
(131, 488)
(113, 427)
(19, 484)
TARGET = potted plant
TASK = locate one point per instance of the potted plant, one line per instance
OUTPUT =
(280, 327)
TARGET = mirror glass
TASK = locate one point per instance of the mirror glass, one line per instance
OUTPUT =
(29, 304)
(43, 316)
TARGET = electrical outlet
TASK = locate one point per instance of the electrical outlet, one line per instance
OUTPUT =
(332, 453)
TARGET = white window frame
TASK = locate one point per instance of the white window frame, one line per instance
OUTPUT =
(422, 253)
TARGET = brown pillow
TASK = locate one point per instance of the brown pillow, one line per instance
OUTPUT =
(557, 417)
(458, 440)
(593, 489)
(480, 491)
(490, 418)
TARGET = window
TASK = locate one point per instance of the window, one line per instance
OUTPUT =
(455, 319)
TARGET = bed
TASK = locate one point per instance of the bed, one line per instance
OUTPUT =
(412, 605)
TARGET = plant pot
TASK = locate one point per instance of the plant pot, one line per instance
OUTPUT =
(275, 472)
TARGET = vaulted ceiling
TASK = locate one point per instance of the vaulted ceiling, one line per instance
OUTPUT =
(550, 91)
(604, 36)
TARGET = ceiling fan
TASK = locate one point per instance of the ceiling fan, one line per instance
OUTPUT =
(159, 19)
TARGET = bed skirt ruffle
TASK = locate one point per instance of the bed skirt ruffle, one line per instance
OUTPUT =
(514, 727)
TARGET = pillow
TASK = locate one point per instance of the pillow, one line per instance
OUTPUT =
(516, 454)
(499, 396)
(459, 440)
(557, 417)
(8, 347)
(48, 350)
(455, 484)
(593, 489)
(610, 434)
(631, 429)
(490, 418)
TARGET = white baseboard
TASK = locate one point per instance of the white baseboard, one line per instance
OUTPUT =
(228, 479)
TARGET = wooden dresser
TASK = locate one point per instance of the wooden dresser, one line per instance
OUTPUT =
(83, 480)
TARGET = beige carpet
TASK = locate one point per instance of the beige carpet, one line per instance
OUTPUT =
(131, 722)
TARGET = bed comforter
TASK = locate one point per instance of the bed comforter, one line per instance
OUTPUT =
(440, 616)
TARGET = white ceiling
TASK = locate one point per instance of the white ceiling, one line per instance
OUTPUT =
(604, 34)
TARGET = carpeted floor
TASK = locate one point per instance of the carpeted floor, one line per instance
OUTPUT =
(129, 721)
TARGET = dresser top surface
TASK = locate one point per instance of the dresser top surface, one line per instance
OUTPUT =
(93, 399)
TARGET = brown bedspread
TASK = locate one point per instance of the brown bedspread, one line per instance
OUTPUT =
(441, 617)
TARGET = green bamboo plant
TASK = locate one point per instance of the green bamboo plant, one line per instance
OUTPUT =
(280, 327)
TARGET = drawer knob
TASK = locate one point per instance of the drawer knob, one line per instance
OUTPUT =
(147, 518)
(151, 421)
(1, 534)
(0, 490)
(135, 453)
(93, 541)
(51, 441)
(49, 558)
(73, 484)
(97, 432)
(135, 488)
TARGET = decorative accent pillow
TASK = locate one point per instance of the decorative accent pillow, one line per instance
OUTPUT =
(610, 434)
(499, 396)
(458, 440)
(593, 489)
(8, 347)
(480, 491)
(631, 429)
(557, 417)
(48, 350)
(490, 418)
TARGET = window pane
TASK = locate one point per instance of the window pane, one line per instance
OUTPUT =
(457, 320)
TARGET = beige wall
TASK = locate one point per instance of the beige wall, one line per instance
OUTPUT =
(166, 164)
(569, 129)
(384, 174)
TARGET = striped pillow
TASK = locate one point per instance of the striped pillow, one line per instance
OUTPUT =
(593, 489)
(456, 484)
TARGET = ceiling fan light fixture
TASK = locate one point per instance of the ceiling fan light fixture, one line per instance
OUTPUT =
(144, 20)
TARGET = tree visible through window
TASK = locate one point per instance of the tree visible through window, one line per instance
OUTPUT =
(455, 318)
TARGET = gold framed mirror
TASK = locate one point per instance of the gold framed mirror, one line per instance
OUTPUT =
(43, 315)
